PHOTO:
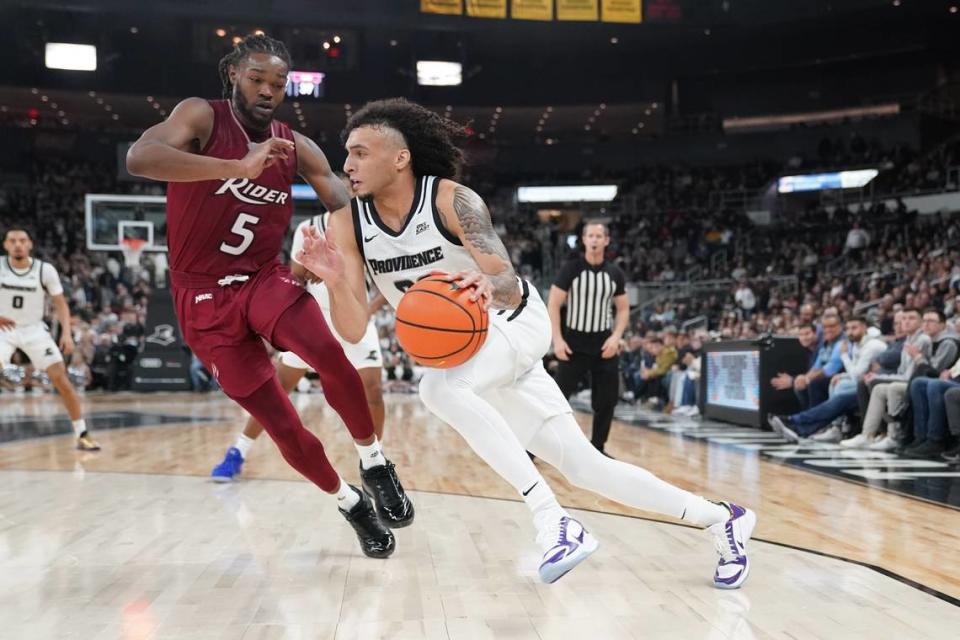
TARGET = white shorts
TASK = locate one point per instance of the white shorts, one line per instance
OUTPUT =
(363, 355)
(521, 390)
(35, 341)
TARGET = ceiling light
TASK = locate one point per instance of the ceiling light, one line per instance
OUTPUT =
(134, 30)
(326, 46)
(237, 39)
(336, 39)
(393, 43)
(614, 40)
(72, 57)
(221, 32)
(439, 73)
(116, 117)
(259, 32)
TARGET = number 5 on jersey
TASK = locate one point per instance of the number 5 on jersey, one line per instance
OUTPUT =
(240, 228)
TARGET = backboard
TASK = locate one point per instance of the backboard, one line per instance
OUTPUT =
(110, 218)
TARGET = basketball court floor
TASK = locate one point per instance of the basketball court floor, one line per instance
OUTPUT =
(135, 542)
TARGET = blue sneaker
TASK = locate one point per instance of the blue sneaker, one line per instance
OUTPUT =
(230, 468)
(566, 544)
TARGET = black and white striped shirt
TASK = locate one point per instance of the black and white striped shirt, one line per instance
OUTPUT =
(590, 293)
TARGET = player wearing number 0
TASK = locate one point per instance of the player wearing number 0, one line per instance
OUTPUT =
(230, 166)
(411, 218)
(24, 282)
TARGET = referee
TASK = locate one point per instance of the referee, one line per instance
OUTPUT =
(589, 339)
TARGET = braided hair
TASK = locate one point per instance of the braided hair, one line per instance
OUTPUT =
(430, 137)
(250, 44)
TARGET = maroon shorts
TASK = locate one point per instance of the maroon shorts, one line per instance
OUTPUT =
(225, 325)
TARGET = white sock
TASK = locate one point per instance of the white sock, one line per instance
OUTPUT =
(79, 426)
(347, 498)
(243, 444)
(371, 455)
(703, 512)
(543, 504)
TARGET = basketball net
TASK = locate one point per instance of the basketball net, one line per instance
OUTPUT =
(132, 250)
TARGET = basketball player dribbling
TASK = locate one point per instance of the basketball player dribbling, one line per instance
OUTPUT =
(365, 357)
(230, 166)
(411, 218)
(24, 282)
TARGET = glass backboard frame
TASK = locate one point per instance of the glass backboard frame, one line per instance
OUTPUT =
(90, 204)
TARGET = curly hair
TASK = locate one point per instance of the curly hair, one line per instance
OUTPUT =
(430, 137)
(250, 44)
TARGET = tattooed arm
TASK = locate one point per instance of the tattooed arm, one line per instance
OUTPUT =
(466, 216)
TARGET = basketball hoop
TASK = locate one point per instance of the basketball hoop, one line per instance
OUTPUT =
(132, 250)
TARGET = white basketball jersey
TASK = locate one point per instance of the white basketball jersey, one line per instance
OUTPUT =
(397, 259)
(317, 289)
(22, 291)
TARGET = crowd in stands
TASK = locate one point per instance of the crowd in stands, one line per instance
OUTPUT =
(862, 260)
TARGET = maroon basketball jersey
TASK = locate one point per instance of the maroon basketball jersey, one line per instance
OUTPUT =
(235, 226)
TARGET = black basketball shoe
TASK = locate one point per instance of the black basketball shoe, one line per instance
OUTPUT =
(382, 484)
(376, 541)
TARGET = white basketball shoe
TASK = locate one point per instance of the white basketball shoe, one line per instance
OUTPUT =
(566, 544)
(731, 538)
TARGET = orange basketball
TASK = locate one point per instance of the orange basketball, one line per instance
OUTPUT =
(438, 325)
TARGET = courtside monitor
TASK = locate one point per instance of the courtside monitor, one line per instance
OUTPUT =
(733, 385)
